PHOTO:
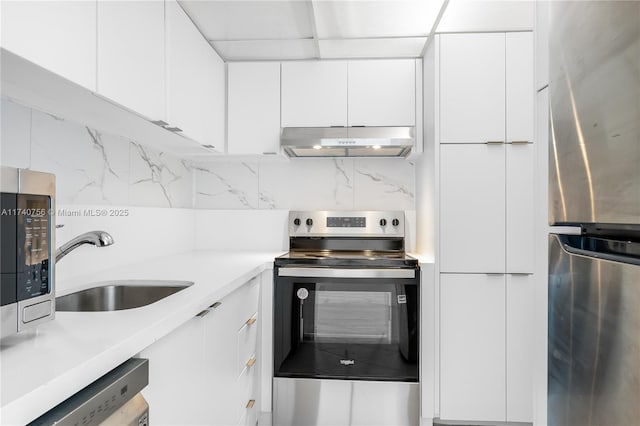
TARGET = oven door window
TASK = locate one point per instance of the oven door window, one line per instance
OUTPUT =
(350, 316)
(349, 329)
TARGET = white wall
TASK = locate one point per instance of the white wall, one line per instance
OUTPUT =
(96, 172)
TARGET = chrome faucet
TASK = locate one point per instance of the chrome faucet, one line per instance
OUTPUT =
(97, 238)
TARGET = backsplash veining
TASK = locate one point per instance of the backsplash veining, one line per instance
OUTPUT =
(90, 167)
(99, 169)
(339, 183)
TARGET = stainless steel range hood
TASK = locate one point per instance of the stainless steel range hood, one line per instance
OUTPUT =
(347, 141)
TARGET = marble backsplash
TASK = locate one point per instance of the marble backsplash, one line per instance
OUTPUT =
(306, 184)
(90, 167)
(100, 169)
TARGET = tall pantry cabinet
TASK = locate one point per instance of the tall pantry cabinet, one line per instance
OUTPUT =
(486, 181)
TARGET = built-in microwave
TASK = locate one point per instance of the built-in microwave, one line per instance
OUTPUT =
(27, 225)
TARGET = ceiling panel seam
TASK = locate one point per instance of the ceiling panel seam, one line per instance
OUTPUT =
(314, 27)
(445, 3)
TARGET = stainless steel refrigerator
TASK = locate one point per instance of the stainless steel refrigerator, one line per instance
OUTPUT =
(594, 185)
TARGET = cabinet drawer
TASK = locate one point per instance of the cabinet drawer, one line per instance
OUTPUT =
(248, 396)
(247, 298)
(247, 343)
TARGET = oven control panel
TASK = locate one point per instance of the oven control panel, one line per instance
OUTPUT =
(346, 223)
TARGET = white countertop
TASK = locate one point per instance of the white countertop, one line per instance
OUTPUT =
(42, 367)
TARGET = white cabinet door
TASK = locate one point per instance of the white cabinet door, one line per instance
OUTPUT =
(221, 354)
(519, 84)
(542, 44)
(382, 93)
(176, 384)
(215, 87)
(520, 208)
(314, 94)
(253, 108)
(472, 208)
(57, 35)
(191, 76)
(472, 88)
(131, 59)
(472, 351)
(520, 348)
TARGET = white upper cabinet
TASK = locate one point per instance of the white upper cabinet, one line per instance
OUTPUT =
(472, 208)
(519, 208)
(472, 88)
(193, 68)
(382, 93)
(520, 89)
(353, 93)
(542, 44)
(314, 94)
(131, 55)
(253, 119)
(57, 35)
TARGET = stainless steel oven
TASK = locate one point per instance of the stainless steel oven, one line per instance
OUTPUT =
(346, 311)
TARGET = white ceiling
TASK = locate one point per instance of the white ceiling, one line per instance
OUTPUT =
(244, 30)
(487, 15)
(306, 29)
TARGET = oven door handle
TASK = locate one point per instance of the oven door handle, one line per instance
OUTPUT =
(346, 272)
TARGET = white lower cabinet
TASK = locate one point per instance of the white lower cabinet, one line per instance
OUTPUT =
(220, 371)
(207, 371)
(485, 347)
(472, 347)
(520, 312)
(175, 387)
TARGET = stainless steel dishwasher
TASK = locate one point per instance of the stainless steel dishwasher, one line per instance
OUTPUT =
(113, 399)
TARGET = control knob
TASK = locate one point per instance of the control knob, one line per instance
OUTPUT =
(296, 221)
(395, 222)
(309, 222)
(383, 222)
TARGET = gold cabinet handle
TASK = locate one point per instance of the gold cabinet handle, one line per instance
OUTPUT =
(251, 361)
(251, 321)
(494, 142)
(215, 305)
(519, 142)
(250, 403)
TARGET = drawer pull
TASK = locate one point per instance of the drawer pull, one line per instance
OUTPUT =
(519, 142)
(251, 321)
(495, 142)
(250, 403)
(251, 361)
(215, 305)
(203, 313)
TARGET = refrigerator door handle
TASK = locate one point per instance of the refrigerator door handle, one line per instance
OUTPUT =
(599, 255)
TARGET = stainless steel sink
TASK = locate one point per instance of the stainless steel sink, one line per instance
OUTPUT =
(119, 295)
